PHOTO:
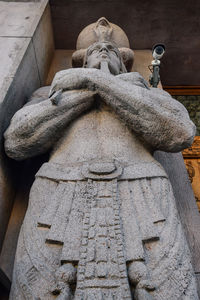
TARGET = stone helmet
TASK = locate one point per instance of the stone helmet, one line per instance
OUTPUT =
(102, 31)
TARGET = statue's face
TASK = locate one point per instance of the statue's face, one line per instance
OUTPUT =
(104, 51)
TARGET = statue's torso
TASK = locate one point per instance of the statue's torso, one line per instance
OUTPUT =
(99, 134)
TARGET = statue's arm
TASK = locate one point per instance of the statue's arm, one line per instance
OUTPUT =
(152, 113)
(37, 126)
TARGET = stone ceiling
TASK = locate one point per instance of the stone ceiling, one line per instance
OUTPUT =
(174, 23)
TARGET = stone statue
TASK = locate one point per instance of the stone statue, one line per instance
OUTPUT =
(102, 221)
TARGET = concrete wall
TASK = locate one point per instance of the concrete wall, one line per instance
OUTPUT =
(26, 50)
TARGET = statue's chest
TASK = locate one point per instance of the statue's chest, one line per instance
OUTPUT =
(97, 134)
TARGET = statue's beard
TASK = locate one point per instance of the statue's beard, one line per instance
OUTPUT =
(98, 64)
(105, 65)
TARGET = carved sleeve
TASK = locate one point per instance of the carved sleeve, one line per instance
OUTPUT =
(35, 128)
(153, 114)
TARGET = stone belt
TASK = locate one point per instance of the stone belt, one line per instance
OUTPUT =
(99, 170)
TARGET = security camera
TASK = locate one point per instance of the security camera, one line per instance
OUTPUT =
(158, 50)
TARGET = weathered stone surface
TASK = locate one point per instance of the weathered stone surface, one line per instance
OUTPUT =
(13, 98)
(20, 28)
(43, 42)
(108, 209)
(19, 19)
(185, 202)
(21, 72)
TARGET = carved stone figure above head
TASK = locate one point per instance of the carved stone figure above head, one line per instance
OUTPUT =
(102, 221)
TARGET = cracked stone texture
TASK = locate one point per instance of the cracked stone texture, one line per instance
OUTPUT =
(102, 221)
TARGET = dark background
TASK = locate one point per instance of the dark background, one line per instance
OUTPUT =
(176, 23)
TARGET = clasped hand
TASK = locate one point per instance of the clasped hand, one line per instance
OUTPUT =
(78, 78)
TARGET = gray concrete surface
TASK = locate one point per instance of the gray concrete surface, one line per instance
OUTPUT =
(23, 69)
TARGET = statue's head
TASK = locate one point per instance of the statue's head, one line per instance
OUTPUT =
(104, 52)
(106, 37)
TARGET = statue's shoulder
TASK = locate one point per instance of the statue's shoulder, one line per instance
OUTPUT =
(134, 78)
(39, 95)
